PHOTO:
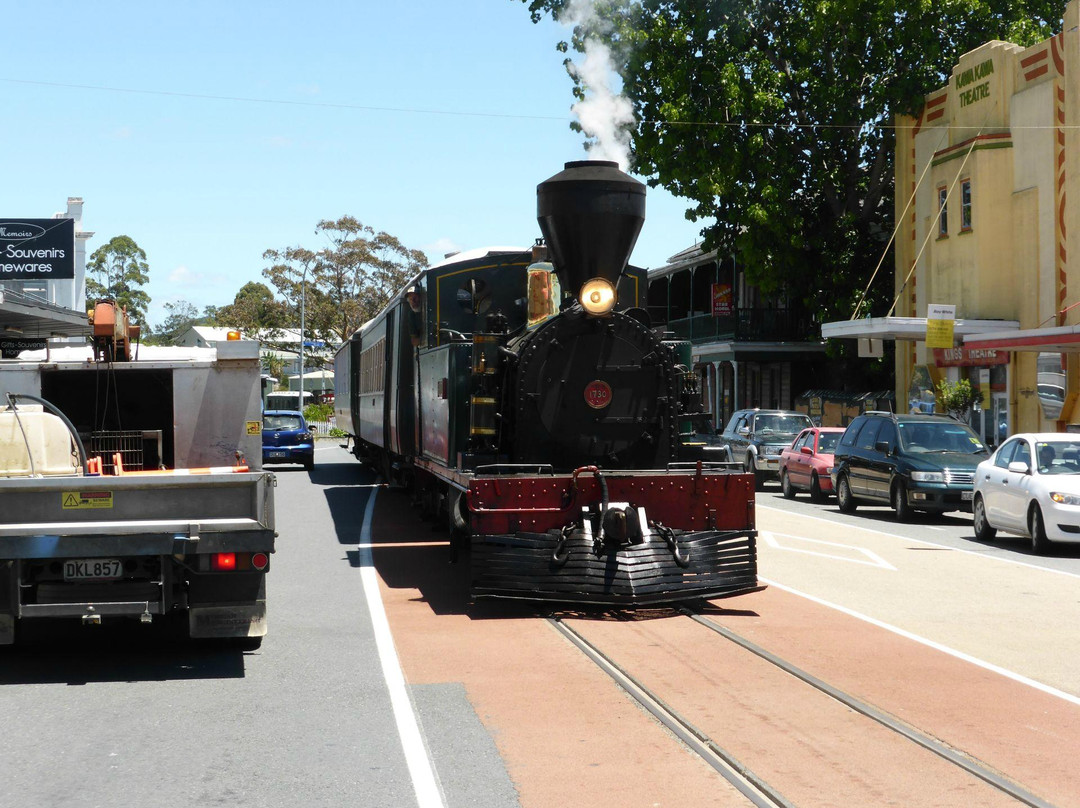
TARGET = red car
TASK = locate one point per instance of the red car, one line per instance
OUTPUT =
(805, 464)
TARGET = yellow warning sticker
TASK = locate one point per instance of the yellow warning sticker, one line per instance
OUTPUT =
(86, 499)
(254, 427)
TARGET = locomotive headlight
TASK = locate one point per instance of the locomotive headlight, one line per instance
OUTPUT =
(597, 296)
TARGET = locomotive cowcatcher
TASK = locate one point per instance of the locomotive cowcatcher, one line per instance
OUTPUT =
(531, 403)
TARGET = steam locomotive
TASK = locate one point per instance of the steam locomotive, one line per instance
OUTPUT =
(531, 404)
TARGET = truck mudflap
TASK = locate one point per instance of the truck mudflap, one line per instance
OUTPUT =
(232, 620)
(663, 567)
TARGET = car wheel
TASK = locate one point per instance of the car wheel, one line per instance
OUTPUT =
(816, 494)
(899, 502)
(748, 467)
(844, 501)
(785, 485)
(983, 529)
(1039, 543)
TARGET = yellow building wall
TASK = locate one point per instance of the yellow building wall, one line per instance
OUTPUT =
(1008, 121)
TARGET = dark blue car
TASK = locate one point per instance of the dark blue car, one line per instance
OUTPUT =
(287, 439)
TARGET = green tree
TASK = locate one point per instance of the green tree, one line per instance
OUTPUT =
(774, 119)
(180, 316)
(347, 283)
(254, 309)
(117, 271)
(958, 399)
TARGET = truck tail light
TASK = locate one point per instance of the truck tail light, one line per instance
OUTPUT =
(260, 561)
(223, 562)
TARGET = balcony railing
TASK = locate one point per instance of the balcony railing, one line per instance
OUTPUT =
(748, 325)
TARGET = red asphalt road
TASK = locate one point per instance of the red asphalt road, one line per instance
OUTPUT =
(569, 736)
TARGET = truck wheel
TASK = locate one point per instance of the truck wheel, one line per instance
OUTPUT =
(844, 500)
(983, 530)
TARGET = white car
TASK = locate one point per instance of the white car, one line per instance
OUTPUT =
(1030, 487)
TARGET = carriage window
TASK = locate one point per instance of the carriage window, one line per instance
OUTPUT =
(544, 294)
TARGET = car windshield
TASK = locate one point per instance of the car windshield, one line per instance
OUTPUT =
(1058, 457)
(281, 422)
(946, 436)
(781, 424)
(696, 425)
(826, 442)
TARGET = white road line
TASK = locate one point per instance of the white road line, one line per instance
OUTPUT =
(425, 784)
(834, 523)
(1016, 677)
(874, 559)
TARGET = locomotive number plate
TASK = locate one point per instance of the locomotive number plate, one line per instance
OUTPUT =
(598, 394)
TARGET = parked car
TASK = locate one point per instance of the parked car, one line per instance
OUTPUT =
(287, 439)
(1030, 487)
(909, 462)
(699, 440)
(755, 438)
(805, 465)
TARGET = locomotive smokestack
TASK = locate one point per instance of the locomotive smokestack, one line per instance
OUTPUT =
(590, 214)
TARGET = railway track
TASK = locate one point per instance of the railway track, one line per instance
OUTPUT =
(754, 787)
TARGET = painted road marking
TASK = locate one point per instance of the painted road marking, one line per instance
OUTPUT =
(871, 559)
(1016, 677)
(421, 770)
(833, 523)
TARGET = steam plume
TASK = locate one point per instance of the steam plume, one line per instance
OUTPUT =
(605, 115)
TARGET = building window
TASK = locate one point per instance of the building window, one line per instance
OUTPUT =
(965, 205)
(943, 211)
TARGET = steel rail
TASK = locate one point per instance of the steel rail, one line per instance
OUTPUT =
(743, 779)
(967, 763)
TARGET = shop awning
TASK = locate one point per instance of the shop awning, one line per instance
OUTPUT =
(908, 328)
(22, 317)
(754, 351)
(1063, 339)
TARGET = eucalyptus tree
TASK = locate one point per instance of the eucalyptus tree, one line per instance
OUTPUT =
(117, 271)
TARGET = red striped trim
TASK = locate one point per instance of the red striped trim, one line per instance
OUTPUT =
(1041, 70)
(1038, 56)
(1056, 44)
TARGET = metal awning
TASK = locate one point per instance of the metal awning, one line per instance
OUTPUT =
(754, 351)
(27, 318)
(1063, 339)
(908, 328)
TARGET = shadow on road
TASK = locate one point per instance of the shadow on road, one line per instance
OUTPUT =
(67, 653)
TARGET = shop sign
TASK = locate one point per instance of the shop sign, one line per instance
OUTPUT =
(723, 301)
(37, 249)
(940, 320)
(10, 348)
(969, 357)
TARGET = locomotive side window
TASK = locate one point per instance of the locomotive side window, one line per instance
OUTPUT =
(544, 295)
(474, 296)
(371, 368)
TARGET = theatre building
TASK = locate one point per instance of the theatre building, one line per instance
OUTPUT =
(988, 208)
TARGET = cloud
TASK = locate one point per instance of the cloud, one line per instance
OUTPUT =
(438, 249)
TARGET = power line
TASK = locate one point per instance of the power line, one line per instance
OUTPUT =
(739, 124)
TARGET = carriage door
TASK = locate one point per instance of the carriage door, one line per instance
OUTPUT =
(389, 391)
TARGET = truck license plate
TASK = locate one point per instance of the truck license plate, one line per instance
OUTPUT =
(85, 569)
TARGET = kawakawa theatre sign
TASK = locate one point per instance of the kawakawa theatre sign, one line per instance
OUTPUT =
(37, 249)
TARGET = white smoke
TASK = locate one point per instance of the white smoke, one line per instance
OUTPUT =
(605, 114)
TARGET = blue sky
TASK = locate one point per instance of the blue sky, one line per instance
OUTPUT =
(229, 128)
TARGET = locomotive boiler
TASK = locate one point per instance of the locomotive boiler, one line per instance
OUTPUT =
(525, 397)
